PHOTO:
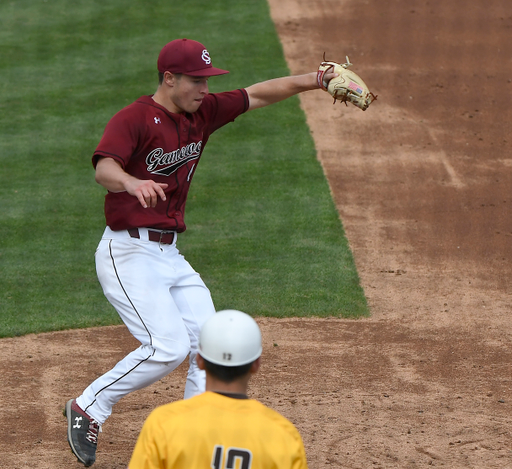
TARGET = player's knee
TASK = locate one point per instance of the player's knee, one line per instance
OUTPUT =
(170, 352)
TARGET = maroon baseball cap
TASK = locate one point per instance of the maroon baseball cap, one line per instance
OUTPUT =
(188, 57)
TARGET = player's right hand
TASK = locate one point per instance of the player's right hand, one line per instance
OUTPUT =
(112, 177)
(146, 191)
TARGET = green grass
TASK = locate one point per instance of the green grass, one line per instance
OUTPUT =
(263, 230)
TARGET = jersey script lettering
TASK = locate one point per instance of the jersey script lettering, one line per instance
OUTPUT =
(159, 162)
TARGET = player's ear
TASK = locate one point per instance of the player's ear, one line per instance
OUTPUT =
(169, 78)
(200, 362)
(255, 366)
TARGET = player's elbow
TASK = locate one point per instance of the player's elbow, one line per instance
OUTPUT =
(97, 177)
(110, 175)
(100, 179)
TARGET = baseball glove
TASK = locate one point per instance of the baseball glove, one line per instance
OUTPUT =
(347, 86)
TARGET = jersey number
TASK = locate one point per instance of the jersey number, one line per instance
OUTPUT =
(232, 454)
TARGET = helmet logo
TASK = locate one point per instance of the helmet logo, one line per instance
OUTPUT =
(206, 57)
(226, 356)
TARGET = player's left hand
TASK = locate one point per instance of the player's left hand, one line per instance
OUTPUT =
(346, 85)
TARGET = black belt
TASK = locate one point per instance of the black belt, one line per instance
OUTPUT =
(162, 237)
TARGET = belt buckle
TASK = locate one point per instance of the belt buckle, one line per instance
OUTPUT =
(163, 233)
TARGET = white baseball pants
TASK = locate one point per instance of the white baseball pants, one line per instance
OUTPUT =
(164, 304)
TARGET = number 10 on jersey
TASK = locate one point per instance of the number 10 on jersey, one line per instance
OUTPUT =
(232, 454)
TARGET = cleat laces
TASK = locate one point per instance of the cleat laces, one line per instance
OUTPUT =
(92, 432)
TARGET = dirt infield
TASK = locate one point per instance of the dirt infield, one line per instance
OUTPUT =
(422, 182)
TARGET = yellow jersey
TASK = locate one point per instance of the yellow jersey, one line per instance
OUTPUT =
(213, 431)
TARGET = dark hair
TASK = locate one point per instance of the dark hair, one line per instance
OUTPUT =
(226, 374)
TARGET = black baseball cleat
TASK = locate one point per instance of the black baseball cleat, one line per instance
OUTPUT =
(82, 433)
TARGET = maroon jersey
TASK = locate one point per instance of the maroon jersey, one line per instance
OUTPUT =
(152, 143)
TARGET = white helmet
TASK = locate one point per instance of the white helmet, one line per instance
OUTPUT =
(230, 338)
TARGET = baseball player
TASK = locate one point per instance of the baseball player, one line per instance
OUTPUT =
(146, 159)
(221, 428)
